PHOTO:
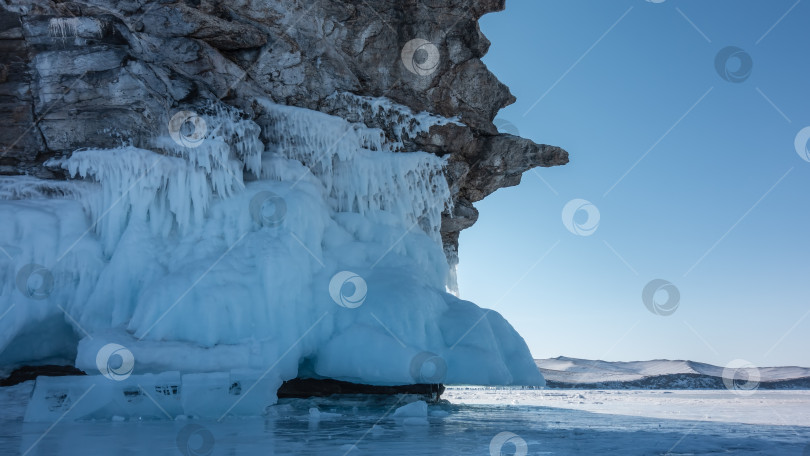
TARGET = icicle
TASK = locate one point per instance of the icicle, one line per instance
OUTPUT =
(358, 168)
(70, 27)
(63, 27)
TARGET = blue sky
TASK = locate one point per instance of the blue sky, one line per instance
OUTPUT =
(696, 180)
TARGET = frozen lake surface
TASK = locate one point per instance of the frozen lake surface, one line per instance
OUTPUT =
(551, 422)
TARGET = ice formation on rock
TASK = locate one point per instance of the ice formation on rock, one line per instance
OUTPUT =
(217, 257)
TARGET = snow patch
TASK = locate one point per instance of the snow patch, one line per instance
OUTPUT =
(404, 122)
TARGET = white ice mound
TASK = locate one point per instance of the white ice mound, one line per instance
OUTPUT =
(324, 261)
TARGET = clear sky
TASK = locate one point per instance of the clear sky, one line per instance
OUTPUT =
(696, 179)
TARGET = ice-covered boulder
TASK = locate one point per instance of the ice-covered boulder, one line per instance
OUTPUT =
(280, 193)
(326, 262)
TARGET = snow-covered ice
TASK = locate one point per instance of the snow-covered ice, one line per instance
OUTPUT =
(547, 422)
(761, 407)
(577, 371)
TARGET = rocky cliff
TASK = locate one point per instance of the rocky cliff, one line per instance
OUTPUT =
(102, 73)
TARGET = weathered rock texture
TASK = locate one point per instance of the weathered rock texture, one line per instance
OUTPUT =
(99, 73)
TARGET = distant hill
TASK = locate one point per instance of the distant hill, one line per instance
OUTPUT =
(563, 372)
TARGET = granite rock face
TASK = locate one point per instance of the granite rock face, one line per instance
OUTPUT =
(102, 73)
